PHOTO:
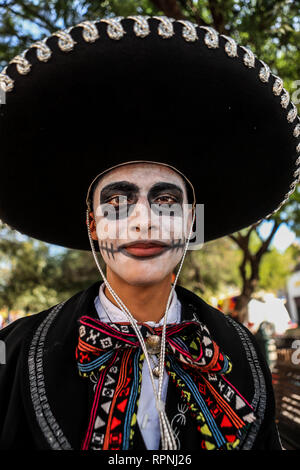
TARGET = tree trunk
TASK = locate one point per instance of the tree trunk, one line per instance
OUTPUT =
(242, 300)
(250, 282)
(170, 8)
(241, 308)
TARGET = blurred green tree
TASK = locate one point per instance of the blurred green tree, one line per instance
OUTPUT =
(212, 270)
(22, 272)
(254, 249)
(33, 279)
(277, 267)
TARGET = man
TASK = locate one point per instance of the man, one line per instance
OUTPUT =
(140, 270)
(138, 362)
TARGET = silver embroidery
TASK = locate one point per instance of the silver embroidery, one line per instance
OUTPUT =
(141, 25)
(141, 28)
(297, 162)
(298, 148)
(114, 29)
(230, 46)
(248, 58)
(90, 31)
(260, 393)
(165, 28)
(293, 184)
(277, 86)
(296, 131)
(189, 32)
(264, 73)
(297, 172)
(82, 331)
(292, 114)
(22, 64)
(279, 207)
(211, 37)
(65, 41)
(46, 420)
(287, 195)
(285, 200)
(179, 418)
(285, 98)
(6, 83)
(43, 51)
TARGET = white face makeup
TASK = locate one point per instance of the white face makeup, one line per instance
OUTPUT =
(142, 221)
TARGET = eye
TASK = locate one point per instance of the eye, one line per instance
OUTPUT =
(119, 200)
(166, 199)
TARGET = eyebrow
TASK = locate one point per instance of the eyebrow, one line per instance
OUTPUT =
(121, 186)
(163, 186)
(160, 188)
(127, 187)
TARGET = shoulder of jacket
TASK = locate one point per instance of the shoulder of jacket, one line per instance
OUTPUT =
(224, 328)
(18, 330)
(201, 309)
(21, 326)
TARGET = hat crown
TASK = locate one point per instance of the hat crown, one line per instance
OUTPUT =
(172, 41)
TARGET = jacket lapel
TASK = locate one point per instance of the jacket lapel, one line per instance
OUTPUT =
(67, 394)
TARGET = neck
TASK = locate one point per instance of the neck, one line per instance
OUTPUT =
(146, 302)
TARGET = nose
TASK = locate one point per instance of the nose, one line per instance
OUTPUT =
(141, 219)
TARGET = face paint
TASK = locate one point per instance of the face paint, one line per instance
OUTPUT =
(140, 236)
(165, 191)
(158, 248)
(118, 199)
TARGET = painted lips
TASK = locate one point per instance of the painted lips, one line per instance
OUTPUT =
(145, 249)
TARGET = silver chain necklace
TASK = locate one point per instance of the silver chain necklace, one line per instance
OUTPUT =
(150, 346)
(166, 432)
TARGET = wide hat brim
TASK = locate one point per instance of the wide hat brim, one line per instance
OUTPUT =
(143, 88)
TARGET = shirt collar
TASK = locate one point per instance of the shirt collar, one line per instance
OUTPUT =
(103, 304)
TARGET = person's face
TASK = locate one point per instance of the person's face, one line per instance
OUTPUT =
(140, 238)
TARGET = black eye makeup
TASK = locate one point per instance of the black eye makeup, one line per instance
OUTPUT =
(118, 199)
(166, 199)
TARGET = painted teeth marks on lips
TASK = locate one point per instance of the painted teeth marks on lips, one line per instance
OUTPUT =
(110, 250)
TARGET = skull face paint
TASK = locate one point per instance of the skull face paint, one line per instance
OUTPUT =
(141, 220)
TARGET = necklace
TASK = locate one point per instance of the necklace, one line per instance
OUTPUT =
(153, 344)
(166, 432)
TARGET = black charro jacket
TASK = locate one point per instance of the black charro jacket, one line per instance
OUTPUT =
(44, 403)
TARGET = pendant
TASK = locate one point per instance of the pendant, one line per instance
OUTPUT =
(153, 343)
(155, 371)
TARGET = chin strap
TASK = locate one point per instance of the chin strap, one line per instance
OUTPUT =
(167, 436)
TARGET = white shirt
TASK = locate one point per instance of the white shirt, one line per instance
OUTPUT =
(147, 416)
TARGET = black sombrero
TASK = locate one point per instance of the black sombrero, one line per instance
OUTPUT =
(143, 88)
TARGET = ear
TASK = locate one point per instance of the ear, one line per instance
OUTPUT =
(92, 226)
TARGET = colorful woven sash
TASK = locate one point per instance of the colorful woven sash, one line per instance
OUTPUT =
(111, 356)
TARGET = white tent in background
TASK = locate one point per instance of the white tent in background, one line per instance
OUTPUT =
(293, 292)
(271, 310)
